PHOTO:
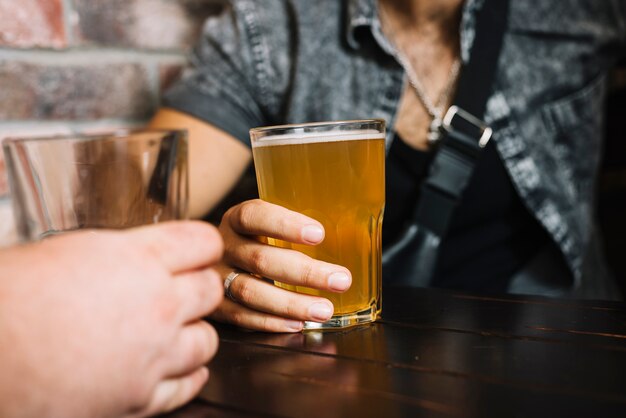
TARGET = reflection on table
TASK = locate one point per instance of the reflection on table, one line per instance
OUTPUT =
(434, 353)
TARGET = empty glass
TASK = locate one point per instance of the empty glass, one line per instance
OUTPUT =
(118, 180)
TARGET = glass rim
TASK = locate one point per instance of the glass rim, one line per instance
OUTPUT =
(314, 125)
(82, 136)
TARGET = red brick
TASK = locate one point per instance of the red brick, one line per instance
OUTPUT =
(31, 91)
(32, 23)
(152, 24)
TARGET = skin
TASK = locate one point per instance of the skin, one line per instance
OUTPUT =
(67, 353)
(427, 34)
(424, 29)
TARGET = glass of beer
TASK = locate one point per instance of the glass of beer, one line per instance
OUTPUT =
(333, 172)
(115, 180)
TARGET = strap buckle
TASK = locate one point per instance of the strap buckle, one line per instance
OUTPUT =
(483, 128)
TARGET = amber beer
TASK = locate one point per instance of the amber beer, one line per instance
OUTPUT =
(334, 173)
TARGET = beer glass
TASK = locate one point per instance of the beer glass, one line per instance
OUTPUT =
(117, 180)
(333, 172)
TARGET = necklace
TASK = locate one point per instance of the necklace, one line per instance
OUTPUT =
(435, 110)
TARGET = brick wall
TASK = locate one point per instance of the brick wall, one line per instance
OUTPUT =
(77, 65)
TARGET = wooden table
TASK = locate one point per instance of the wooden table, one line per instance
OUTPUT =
(434, 353)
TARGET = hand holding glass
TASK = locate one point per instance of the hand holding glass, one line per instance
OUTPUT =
(333, 172)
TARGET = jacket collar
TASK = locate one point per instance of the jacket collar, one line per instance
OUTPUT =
(362, 20)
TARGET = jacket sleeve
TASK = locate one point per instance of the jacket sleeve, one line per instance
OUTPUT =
(220, 84)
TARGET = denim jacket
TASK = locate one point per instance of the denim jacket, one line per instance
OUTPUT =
(268, 62)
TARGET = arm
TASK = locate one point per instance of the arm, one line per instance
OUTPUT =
(216, 159)
(216, 162)
(220, 97)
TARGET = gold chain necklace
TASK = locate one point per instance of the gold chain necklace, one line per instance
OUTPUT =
(435, 110)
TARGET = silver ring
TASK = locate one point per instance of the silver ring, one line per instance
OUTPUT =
(229, 280)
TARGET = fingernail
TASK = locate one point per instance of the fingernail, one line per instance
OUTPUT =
(294, 325)
(339, 281)
(320, 311)
(312, 234)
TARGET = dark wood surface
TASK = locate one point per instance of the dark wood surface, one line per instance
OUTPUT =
(434, 353)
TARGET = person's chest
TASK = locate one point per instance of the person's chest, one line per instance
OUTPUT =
(550, 51)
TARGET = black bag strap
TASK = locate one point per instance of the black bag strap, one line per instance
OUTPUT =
(464, 135)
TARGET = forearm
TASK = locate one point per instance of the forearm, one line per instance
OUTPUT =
(216, 159)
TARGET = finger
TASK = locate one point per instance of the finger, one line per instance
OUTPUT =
(181, 245)
(236, 314)
(266, 297)
(195, 346)
(287, 266)
(257, 217)
(172, 393)
(199, 293)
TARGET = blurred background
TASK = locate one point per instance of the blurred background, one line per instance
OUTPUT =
(84, 65)
(87, 65)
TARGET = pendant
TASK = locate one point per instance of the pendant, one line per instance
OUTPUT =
(434, 131)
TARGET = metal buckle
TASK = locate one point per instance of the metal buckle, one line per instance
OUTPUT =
(468, 117)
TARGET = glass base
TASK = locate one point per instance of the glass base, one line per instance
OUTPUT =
(337, 322)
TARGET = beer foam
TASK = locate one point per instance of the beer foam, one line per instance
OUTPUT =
(314, 137)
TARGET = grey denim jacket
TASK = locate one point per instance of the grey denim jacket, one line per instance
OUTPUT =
(268, 62)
